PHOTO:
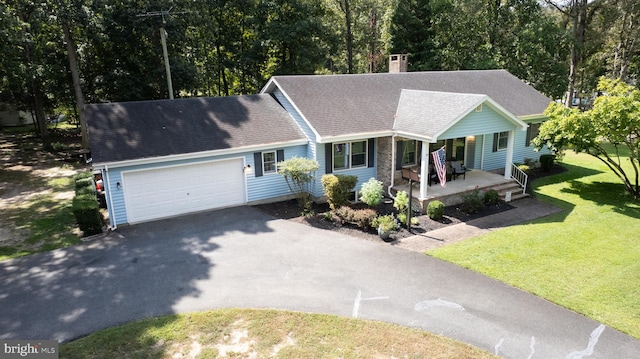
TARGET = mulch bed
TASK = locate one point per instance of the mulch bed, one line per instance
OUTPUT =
(452, 215)
(289, 210)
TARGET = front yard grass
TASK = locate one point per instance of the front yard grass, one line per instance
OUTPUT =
(586, 258)
(239, 333)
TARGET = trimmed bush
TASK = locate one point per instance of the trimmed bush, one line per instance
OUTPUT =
(435, 210)
(337, 188)
(491, 197)
(371, 192)
(547, 161)
(86, 190)
(85, 209)
(80, 175)
(472, 202)
(84, 182)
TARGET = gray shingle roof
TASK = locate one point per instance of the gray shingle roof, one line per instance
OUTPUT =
(145, 129)
(440, 109)
(349, 104)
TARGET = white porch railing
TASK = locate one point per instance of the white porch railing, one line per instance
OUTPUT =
(520, 177)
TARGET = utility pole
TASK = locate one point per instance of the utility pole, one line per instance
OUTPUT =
(163, 39)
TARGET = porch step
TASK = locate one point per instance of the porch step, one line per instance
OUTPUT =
(513, 187)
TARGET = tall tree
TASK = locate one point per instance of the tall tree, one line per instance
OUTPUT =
(412, 32)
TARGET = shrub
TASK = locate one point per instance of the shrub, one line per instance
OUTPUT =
(491, 197)
(401, 202)
(85, 209)
(362, 218)
(386, 223)
(337, 188)
(371, 192)
(547, 161)
(525, 168)
(84, 182)
(86, 190)
(299, 173)
(80, 175)
(435, 210)
(472, 202)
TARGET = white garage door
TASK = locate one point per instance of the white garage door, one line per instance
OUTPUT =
(166, 192)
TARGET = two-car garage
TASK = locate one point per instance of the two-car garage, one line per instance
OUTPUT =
(170, 191)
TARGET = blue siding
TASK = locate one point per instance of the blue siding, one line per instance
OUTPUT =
(270, 185)
(363, 173)
(258, 188)
(493, 160)
(311, 149)
(474, 123)
(521, 151)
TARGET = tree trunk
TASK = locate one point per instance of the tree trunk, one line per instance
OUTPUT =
(75, 75)
(347, 19)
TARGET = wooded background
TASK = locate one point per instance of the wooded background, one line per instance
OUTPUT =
(57, 54)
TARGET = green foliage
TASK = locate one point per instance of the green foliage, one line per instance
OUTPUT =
(85, 209)
(491, 197)
(299, 173)
(435, 210)
(86, 174)
(385, 223)
(371, 192)
(472, 202)
(362, 218)
(84, 182)
(614, 119)
(401, 202)
(337, 188)
(547, 161)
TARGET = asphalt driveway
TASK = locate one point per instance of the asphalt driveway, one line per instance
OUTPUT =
(240, 257)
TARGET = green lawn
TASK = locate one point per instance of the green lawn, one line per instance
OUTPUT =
(235, 333)
(586, 258)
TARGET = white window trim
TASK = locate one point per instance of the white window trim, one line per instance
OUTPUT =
(498, 148)
(275, 163)
(349, 155)
(415, 156)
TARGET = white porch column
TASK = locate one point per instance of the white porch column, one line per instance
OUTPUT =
(509, 160)
(424, 170)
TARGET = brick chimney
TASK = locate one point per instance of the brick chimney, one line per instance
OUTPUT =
(398, 63)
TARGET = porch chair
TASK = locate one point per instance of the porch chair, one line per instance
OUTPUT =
(458, 169)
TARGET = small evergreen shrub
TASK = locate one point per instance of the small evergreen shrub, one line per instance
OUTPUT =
(85, 182)
(85, 209)
(386, 223)
(547, 161)
(337, 188)
(525, 168)
(371, 192)
(472, 202)
(491, 197)
(435, 210)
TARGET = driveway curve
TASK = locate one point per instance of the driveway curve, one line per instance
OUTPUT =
(240, 257)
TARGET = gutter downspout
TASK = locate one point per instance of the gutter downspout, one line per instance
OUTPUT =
(112, 213)
(393, 165)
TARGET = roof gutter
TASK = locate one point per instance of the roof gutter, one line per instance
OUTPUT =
(196, 155)
(357, 136)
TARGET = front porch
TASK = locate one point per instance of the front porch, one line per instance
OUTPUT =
(455, 189)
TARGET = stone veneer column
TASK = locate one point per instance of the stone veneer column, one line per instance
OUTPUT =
(385, 157)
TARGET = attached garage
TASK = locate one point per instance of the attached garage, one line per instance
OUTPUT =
(171, 191)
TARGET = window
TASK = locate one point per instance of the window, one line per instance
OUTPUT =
(532, 132)
(358, 154)
(349, 155)
(409, 150)
(340, 156)
(269, 162)
(501, 141)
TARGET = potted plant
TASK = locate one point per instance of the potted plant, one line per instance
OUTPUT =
(385, 224)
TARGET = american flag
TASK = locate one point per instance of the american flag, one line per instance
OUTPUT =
(440, 163)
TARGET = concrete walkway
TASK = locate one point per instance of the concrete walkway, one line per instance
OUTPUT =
(525, 210)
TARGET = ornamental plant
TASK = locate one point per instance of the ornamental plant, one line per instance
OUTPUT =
(299, 173)
(371, 192)
(337, 188)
